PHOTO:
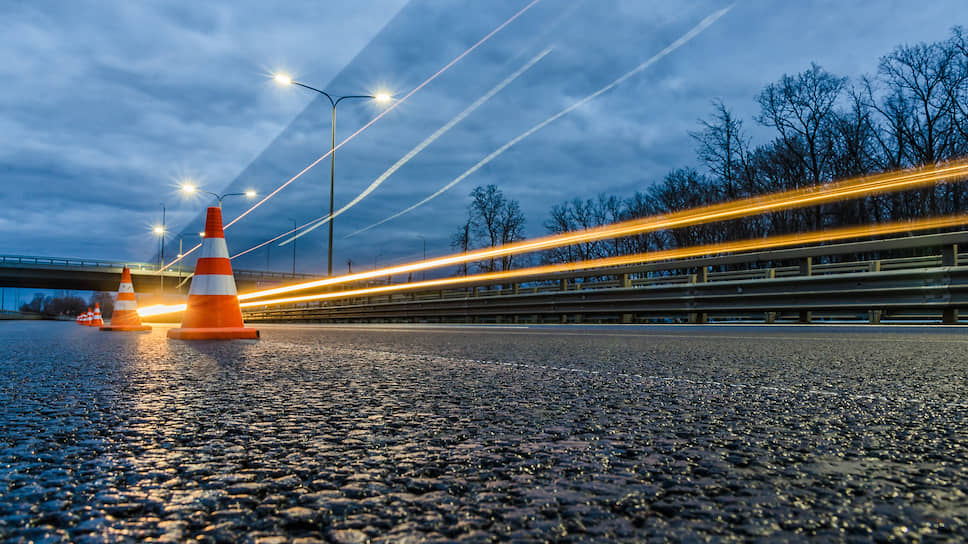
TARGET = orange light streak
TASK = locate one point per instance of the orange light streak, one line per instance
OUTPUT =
(642, 258)
(622, 260)
(795, 198)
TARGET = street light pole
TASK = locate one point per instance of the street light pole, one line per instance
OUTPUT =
(293, 248)
(423, 274)
(162, 256)
(332, 153)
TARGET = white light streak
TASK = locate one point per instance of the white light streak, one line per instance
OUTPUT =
(423, 145)
(695, 31)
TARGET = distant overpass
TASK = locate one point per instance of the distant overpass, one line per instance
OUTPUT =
(98, 275)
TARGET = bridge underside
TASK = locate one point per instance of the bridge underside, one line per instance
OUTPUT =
(108, 280)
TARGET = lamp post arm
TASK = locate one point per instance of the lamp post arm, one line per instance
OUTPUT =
(353, 96)
(324, 93)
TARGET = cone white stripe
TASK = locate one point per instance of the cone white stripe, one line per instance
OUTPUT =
(214, 247)
(212, 284)
(126, 288)
(122, 305)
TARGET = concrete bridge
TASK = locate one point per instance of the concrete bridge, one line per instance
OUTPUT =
(99, 275)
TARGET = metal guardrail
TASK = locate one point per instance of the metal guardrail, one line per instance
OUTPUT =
(98, 264)
(73, 262)
(769, 289)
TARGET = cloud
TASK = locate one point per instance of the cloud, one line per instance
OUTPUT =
(108, 104)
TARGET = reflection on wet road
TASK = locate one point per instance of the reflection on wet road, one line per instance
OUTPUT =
(406, 433)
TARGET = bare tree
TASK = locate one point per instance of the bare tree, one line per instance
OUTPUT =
(492, 220)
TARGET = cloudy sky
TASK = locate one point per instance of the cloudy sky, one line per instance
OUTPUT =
(107, 106)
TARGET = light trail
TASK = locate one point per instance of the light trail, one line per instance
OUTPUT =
(622, 260)
(695, 31)
(270, 240)
(374, 120)
(422, 145)
(642, 258)
(794, 198)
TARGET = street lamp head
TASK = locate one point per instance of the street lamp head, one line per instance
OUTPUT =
(159, 230)
(188, 188)
(250, 194)
(383, 97)
(202, 234)
(283, 79)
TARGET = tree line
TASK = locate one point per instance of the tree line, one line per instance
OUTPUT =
(68, 305)
(912, 112)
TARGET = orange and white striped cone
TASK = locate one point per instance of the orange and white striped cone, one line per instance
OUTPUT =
(96, 320)
(213, 311)
(125, 316)
(87, 316)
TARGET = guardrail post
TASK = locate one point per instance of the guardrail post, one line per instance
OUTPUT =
(949, 255)
(806, 269)
(701, 276)
(563, 284)
(875, 317)
(949, 316)
(625, 281)
(806, 266)
(627, 318)
(770, 317)
(875, 266)
(517, 291)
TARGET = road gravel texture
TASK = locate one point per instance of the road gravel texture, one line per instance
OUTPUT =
(386, 433)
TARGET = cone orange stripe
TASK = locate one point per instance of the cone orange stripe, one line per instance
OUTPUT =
(208, 311)
(213, 265)
(213, 224)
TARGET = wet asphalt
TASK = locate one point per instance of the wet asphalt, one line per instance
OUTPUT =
(395, 433)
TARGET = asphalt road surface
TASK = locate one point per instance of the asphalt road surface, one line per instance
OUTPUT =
(389, 433)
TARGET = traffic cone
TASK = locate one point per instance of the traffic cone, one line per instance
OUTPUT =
(97, 321)
(213, 311)
(125, 316)
(88, 317)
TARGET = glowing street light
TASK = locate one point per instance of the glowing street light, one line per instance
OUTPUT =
(284, 79)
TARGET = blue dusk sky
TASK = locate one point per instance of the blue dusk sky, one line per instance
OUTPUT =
(108, 106)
